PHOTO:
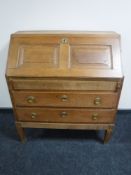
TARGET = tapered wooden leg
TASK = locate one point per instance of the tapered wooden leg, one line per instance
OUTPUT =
(108, 134)
(20, 132)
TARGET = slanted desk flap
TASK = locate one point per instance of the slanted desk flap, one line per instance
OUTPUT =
(64, 55)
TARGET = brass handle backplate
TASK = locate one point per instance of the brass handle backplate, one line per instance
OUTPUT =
(95, 116)
(63, 114)
(64, 98)
(33, 115)
(31, 99)
(97, 101)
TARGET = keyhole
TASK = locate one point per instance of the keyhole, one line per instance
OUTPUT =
(64, 40)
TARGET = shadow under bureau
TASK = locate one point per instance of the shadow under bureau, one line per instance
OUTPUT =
(64, 80)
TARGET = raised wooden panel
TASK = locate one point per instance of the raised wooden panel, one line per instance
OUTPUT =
(91, 56)
(66, 115)
(38, 56)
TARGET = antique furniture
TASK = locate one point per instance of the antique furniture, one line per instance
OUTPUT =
(64, 80)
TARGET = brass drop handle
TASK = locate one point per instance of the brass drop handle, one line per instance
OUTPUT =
(64, 98)
(31, 99)
(95, 116)
(97, 101)
(63, 114)
(33, 115)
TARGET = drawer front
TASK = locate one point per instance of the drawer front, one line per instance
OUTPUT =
(53, 84)
(65, 99)
(64, 115)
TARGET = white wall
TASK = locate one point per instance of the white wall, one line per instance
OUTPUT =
(112, 15)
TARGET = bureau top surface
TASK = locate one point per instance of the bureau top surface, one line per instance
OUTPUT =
(64, 32)
(64, 54)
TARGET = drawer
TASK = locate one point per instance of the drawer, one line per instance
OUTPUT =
(53, 84)
(66, 99)
(65, 115)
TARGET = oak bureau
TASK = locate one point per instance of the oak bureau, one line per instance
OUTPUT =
(64, 80)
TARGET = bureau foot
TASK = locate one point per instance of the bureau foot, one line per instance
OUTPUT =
(108, 134)
(21, 132)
